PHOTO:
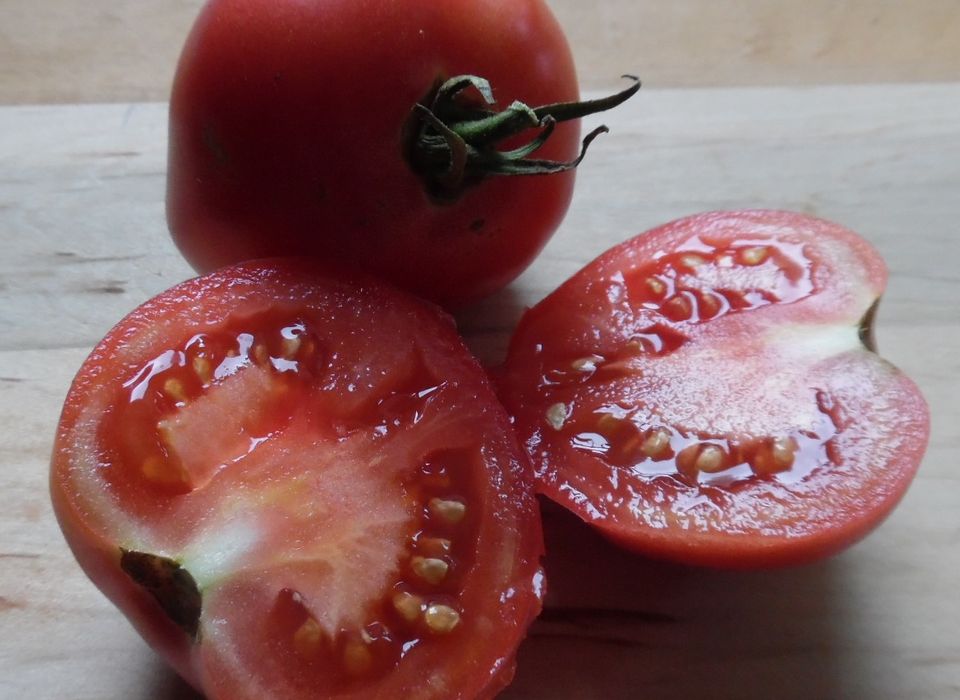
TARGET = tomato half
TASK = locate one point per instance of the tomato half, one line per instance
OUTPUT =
(707, 392)
(292, 132)
(300, 484)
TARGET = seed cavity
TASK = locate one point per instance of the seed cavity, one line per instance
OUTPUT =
(441, 619)
(408, 606)
(557, 416)
(431, 570)
(434, 546)
(160, 471)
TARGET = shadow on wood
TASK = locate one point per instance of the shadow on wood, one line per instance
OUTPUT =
(169, 686)
(620, 626)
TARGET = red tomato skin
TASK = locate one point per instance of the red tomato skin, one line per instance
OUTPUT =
(201, 301)
(780, 552)
(287, 125)
(562, 320)
(98, 556)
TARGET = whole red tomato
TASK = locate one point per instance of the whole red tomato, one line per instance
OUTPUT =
(709, 392)
(293, 131)
(299, 484)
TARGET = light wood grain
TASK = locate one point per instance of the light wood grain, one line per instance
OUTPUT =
(125, 50)
(81, 222)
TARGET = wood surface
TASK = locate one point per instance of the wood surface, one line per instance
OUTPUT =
(125, 50)
(84, 241)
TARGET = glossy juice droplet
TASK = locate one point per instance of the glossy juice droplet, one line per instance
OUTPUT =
(650, 451)
(706, 280)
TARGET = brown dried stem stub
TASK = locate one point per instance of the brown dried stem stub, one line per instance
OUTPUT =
(170, 584)
(453, 142)
(865, 328)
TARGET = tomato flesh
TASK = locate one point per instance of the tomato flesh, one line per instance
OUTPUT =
(300, 485)
(702, 392)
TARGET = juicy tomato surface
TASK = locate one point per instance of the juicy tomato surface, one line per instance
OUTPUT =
(299, 484)
(290, 121)
(707, 393)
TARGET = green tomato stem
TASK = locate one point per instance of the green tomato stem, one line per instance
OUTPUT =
(454, 141)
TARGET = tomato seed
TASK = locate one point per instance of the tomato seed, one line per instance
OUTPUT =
(260, 354)
(657, 444)
(431, 570)
(290, 347)
(441, 619)
(557, 415)
(678, 308)
(308, 638)
(452, 512)
(687, 460)
(203, 369)
(174, 389)
(711, 460)
(784, 450)
(691, 261)
(609, 423)
(357, 659)
(408, 606)
(774, 456)
(655, 286)
(710, 305)
(755, 255)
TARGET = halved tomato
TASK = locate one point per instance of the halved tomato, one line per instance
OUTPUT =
(300, 484)
(708, 392)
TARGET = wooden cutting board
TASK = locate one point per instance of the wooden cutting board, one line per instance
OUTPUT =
(84, 241)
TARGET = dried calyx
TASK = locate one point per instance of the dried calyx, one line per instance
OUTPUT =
(454, 141)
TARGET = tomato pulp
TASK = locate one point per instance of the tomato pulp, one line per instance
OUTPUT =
(289, 135)
(707, 392)
(297, 483)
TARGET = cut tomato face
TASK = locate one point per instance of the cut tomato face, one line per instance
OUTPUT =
(300, 485)
(707, 392)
